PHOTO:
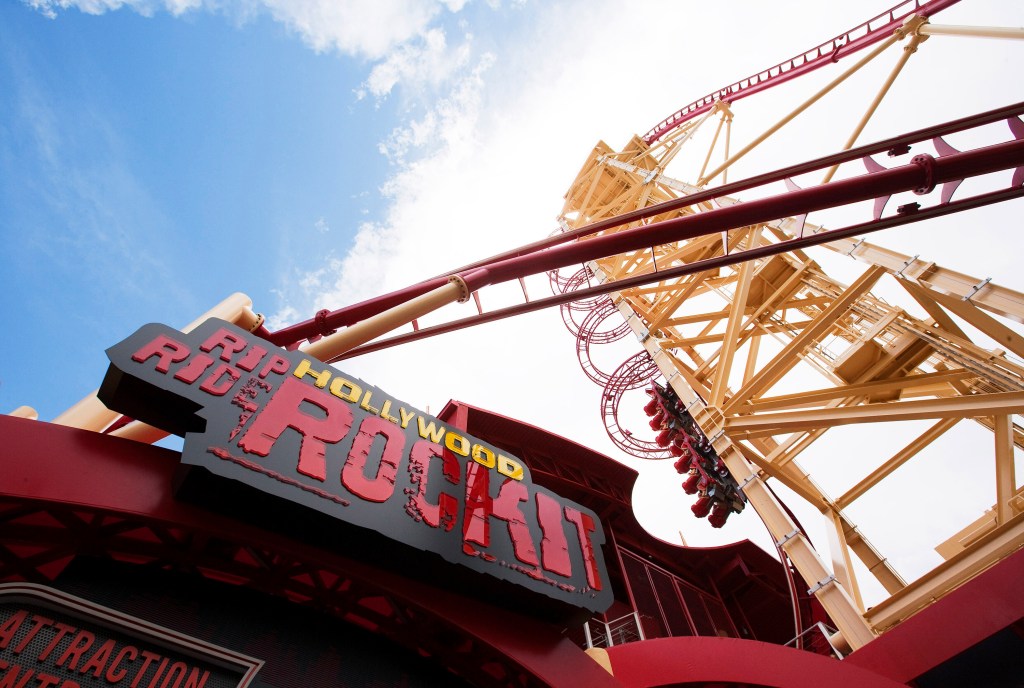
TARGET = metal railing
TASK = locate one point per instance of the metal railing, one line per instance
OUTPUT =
(625, 629)
(817, 639)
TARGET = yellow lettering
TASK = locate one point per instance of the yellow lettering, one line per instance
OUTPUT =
(365, 405)
(483, 456)
(507, 466)
(303, 369)
(451, 439)
(385, 411)
(429, 432)
(338, 389)
(406, 416)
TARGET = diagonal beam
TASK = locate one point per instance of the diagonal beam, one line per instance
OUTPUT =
(790, 355)
(864, 389)
(954, 407)
(983, 321)
(900, 458)
(732, 328)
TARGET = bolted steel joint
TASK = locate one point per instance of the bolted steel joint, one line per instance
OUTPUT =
(321, 323)
(927, 163)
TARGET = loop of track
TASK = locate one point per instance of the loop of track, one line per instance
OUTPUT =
(571, 311)
(589, 333)
(829, 52)
(634, 373)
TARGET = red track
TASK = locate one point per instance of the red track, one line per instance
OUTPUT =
(861, 36)
(561, 251)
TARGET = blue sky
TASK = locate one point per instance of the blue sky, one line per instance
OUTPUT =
(159, 155)
(154, 164)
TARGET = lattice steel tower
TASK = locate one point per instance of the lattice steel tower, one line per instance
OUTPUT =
(753, 353)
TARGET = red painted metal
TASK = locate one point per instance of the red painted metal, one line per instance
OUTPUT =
(351, 314)
(579, 308)
(591, 333)
(634, 373)
(679, 271)
(704, 661)
(65, 492)
(902, 142)
(948, 169)
(971, 613)
(886, 182)
(861, 36)
(292, 335)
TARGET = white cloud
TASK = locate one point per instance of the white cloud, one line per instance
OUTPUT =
(425, 62)
(363, 29)
(482, 171)
(367, 30)
(449, 125)
(480, 167)
(50, 8)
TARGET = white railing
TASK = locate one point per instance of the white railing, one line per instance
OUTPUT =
(816, 638)
(625, 629)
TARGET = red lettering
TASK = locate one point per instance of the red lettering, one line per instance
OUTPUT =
(62, 630)
(584, 527)
(276, 364)
(554, 548)
(193, 369)
(476, 527)
(195, 680)
(252, 358)
(506, 507)
(10, 678)
(353, 475)
(166, 350)
(480, 507)
(159, 671)
(114, 674)
(446, 511)
(11, 626)
(82, 642)
(147, 659)
(228, 343)
(217, 384)
(178, 668)
(40, 623)
(99, 659)
(46, 680)
(284, 410)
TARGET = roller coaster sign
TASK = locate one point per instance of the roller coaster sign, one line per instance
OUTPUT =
(302, 431)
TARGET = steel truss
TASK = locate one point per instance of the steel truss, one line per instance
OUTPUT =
(661, 248)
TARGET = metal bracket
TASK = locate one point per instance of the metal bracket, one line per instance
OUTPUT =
(976, 288)
(258, 323)
(855, 246)
(910, 261)
(926, 163)
(788, 536)
(821, 584)
(743, 485)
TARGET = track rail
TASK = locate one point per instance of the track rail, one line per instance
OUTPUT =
(879, 184)
(343, 317)
(822, 55)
